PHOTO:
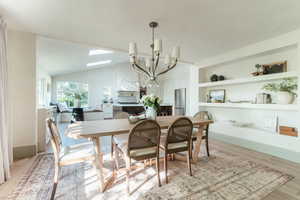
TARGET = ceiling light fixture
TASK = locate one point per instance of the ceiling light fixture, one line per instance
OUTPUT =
(98, 63)
(93, 52)
(150, 67)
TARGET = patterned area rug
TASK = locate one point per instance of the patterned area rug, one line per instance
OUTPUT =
(224, 176)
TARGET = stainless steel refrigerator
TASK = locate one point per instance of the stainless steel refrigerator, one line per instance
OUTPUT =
(180, 101)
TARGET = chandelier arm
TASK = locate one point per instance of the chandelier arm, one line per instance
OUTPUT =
(156, 63)
(142, 69)
(168, 69)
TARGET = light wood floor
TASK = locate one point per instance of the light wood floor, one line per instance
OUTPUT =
(289, 191)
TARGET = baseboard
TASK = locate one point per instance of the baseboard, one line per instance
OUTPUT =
(24, 152)
(268, 149)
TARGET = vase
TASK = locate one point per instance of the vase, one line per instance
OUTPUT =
(77, 103)
(285, 98)
(151, 113)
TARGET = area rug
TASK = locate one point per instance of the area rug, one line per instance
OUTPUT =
(224, 176)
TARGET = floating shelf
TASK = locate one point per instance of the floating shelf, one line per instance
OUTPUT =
(291, 74)
(287, 107)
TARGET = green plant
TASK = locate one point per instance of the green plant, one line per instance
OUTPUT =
(286, 85)
(151, 101)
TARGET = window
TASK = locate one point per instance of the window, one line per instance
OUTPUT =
(69, 92)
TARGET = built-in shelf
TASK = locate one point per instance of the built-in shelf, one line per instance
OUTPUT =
(287, 107)
(254, 79)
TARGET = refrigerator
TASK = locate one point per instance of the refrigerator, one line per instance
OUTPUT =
(180, 101)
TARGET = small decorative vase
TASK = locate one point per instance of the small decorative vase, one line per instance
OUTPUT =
(77, 103)
(151, 113)
(284, 97)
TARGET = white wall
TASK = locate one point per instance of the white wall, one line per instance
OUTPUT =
(177, 78)
(112, 78)
(44, 84)
(22, 87)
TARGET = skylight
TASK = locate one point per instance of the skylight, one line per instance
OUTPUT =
(98, 63)
(99, 52)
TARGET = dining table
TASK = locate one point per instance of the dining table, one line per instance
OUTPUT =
(95, 130)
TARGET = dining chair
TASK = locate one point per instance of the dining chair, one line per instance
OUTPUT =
(142, 143)
(177, 139)
(119, 115)
(66, 155)
(202, 115)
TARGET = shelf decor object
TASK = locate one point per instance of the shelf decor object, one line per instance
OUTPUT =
(149, 66)
(217, 96)
(290, 131)
(285, 90)
(277, 67)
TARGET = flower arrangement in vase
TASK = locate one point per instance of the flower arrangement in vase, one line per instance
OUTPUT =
(285, 90)
(152, 104)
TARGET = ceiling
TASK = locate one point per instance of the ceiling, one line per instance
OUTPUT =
(61, 57)
(203, 28)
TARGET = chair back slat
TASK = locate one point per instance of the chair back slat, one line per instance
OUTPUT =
(203, 115)
(54, 136)
(180, 131)
(143, 135)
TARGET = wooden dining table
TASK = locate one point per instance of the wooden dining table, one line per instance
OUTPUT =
(94, 130)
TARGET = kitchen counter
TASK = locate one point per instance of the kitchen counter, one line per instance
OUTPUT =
(135, 104)
(135, 109)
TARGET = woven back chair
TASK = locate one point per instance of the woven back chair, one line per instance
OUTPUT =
(66, 155)
(143, 143)
(119, 115)
(178, 139)
(55, 138)
(203, 115)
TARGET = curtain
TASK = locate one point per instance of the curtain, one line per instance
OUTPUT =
(5, 144)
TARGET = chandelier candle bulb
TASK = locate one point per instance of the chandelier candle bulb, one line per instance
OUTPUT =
(157, 45)
(132, 49)
(176, 52)
(131, 59)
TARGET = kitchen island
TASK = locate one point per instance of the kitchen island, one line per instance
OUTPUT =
(135, 109)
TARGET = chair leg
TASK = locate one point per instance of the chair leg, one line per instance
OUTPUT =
(127, 173)
(112, 147)
(207, 146)
(117, 156)
(56, 176)
(158, 171)
(188, 154)
(166, 166)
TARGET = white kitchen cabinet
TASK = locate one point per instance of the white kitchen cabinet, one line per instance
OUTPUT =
(107, 110)
(43, 135)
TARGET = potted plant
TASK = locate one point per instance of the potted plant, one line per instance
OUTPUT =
(285, 90)
(151, 104)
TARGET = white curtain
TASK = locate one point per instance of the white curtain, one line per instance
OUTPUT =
(5, 144)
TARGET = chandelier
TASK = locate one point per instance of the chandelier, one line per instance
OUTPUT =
(149, 66)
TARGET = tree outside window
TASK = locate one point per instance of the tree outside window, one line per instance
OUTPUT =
(68, 92)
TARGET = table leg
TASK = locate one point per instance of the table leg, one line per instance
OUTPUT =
(98, 162)
(198, 143)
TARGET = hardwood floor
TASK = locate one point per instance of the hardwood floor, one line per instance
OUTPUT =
(289, 191)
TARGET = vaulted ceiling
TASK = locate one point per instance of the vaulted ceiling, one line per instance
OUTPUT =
(203, 28)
